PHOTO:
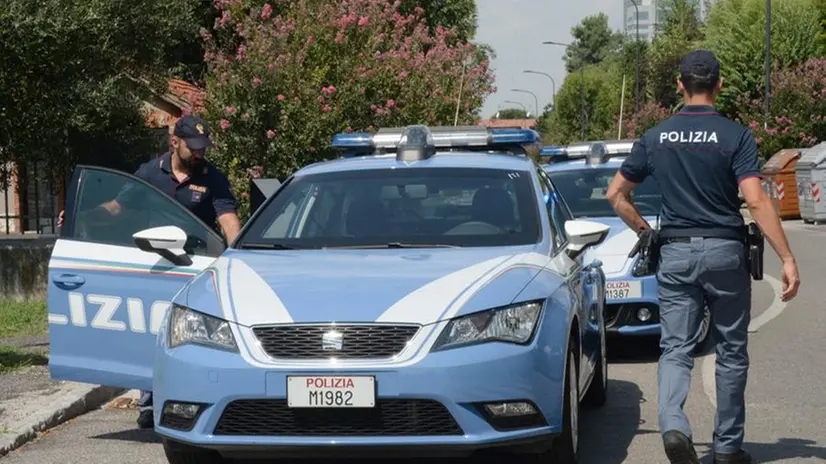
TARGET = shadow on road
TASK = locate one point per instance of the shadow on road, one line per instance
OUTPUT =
(632, 350)
(785, 448)
(607, 432)
(134, 435)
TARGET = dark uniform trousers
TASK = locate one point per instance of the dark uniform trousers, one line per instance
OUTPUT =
(695, 272)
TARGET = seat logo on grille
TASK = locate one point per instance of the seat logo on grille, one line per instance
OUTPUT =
(332, 341)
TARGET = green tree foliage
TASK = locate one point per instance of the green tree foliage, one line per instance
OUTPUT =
(66, 77)
(603, 88)
(460, 15)
(299, 72)
(512, 113)
(594, 41)
(679, 33)
(798, 109)
(736, 33)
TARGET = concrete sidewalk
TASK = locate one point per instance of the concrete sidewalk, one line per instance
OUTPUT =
(31, 402)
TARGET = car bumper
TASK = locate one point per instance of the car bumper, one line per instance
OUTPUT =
(432, 407)
(626, 316)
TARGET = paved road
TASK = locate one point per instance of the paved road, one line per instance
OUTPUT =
(786, 393)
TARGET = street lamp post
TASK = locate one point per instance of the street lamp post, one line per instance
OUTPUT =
(553, 84)
(581, 88)
(535, 100)
(516, 103)
(637, 67)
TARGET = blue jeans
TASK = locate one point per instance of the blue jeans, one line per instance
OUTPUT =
(712, 271)
(145, 402)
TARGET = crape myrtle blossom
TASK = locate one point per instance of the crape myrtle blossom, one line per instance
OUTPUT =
(798, 109)
(305, 70)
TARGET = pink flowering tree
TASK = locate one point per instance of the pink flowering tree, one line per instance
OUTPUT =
(649, 116)
(285, 76)
(798, 109)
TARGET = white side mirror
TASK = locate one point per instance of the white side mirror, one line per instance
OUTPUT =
(167, 241)
(584, 234)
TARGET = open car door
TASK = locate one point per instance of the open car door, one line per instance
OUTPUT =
(112, 276)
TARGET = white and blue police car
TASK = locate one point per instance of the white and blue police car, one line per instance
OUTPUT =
(582, 174)
(426, 293)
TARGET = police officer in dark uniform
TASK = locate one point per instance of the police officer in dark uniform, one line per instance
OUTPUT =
(699, 159)
(184, 174)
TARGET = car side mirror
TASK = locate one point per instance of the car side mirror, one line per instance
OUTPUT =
(167, 241)
(584, 234)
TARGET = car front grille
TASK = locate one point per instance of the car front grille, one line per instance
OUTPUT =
(390, 417)
(319, 341)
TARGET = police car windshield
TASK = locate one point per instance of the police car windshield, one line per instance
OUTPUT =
(584, 190)
(411, 207)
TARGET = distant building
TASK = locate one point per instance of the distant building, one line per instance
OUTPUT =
(651, 13)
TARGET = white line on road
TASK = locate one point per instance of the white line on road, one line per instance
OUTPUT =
(773, 311)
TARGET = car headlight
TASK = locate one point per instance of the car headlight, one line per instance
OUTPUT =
(510, 324)
(641, 268)
(191, 327)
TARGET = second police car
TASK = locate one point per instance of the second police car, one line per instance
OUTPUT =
(582, 172)
(435, 299)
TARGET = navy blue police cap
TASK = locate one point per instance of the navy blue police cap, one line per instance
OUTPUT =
(700, 65)
(194, 131)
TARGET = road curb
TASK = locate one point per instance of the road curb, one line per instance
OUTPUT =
(68, 401)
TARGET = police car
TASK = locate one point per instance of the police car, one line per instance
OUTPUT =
(582, 172)
(426, 293)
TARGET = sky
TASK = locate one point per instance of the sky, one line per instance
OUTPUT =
(516, 29)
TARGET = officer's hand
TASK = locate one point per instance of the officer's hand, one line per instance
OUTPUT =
(60, 219)
(791, 280)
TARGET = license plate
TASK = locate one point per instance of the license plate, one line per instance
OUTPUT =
(331, 392)
(623, 289)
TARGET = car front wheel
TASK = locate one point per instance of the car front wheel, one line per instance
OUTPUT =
(178, 453)
(565, 447)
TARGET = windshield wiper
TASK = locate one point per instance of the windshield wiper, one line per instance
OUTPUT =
(419, 245)
(394, 245)
(267, 246)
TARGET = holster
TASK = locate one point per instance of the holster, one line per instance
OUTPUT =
(648, 247)
(755, 244)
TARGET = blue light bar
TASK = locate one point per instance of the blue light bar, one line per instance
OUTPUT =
(580, 150)
(511, 136)
(352, 140)
(444, 137)
(552, 150)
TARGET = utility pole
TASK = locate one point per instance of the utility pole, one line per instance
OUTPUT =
(766, 102)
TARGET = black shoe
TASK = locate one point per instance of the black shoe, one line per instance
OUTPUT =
(679, 448)
(740, 457)
(146, 419)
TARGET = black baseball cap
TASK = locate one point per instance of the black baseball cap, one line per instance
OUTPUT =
(700, 65)
(194, 131)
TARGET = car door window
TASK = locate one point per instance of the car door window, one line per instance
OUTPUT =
(138, 206)
(557, 210)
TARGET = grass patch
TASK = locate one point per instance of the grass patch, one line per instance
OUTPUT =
(22, 318)
(12, 359)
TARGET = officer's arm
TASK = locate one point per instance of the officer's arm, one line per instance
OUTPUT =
(225, 208)
(633, 171)
(747, 172)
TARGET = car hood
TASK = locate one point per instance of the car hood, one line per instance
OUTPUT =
(613, 252)
(399, 285)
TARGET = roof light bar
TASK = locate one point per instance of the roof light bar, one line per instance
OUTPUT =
(442, 137)
(595, 149)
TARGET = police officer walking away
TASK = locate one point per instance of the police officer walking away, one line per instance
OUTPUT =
(186, 175)
(699, 159)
